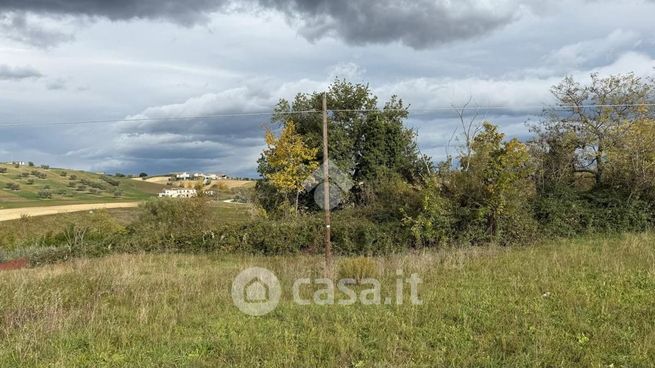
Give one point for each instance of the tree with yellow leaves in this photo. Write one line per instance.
(287, 161)
(631, 160)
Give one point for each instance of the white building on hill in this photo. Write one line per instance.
(178, 193)
(183, 176)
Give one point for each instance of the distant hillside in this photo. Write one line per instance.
(27, 186)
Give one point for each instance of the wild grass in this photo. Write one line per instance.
(32, 230)
(575, 303)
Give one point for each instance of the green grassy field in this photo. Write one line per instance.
(61, 189)
(569, 303)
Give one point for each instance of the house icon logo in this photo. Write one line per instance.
(340, 185)
(256, 291)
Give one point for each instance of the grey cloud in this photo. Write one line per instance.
(183, 12)
(170, 142)
(17, 73)
(419, 24)
(56, 84)
(17, 27)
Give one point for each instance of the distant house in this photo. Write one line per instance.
(207, 177)
(19, 163)
(178, 193)
(183, 176)
(200, 176)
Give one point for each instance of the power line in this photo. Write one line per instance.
(127, 120)
(269, 113)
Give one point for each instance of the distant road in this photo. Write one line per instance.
(16, 213)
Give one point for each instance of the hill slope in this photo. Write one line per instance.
(26, 186)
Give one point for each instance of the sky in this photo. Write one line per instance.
(65, 64)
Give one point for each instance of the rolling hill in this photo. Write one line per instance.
(27, 186)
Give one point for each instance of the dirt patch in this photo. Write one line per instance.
(16, 264)
(16, 213)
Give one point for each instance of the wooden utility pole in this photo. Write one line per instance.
(326, 191)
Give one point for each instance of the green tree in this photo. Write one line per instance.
(365, 141)
(496, 190)
(598, 114)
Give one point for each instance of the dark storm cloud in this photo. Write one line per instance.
(418, 24)
(16, 73)
(183, 12)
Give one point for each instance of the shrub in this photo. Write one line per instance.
(30, 164)
(44, 194)
(566, 212)
(165, 223)
(45, 167)
(92, 184)
(29, 181)
(73, 177)
(353, 234)
(63, 173)
(12, 186)
(81, 188)
(433, 224)
(110, 181)
(3, 170)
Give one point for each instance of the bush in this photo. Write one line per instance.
(44, 194)
(566, 212)
(168, 223)
(63, 173)
(29, 181)
(45, 167)
(12, 186)
(3, 170)
(93, 184)
(110, 181)
(73, 177)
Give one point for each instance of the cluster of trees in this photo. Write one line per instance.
(589, 166)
